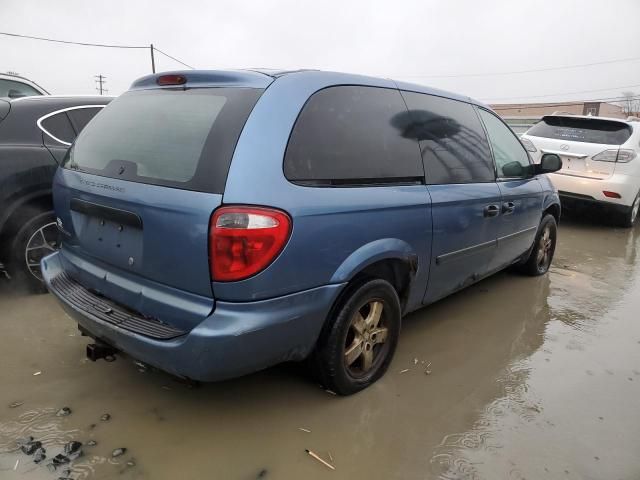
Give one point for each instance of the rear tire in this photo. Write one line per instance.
(544, 246)
(37, 238)
(629, 217)
(358, 343)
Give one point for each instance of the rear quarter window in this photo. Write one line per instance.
(584, 130)
(352, 135)
(58, 127)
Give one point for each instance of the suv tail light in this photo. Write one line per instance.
(615, 155)
(245, 240)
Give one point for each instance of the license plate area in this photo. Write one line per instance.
(112, 235)
(573, 164)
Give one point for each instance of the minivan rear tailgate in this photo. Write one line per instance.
(143, 246)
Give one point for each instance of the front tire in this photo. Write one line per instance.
(359, 341)
(544, 246)
(37, 238)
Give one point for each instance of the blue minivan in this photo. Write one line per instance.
(215, 223)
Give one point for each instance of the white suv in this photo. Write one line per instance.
(600, 164)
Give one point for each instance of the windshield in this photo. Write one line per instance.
(182, 138)
(584, 130)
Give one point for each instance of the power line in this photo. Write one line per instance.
(173, 58)
(103, 45)
(517, 72)
(85, 44)
(560, 94)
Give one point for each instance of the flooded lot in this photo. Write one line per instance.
(513, 378)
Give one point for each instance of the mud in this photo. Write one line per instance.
(527, 378)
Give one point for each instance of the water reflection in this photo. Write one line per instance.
(593, 274)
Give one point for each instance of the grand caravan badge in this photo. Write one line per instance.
(106, 186)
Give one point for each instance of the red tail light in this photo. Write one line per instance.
(611, 194)
(245, 240)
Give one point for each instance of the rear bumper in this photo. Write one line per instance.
(236, 339)
(591, 190)
(571, 201)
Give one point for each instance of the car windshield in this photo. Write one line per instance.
(585, 130)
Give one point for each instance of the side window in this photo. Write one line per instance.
(13, 89)
(81, 116)
(453, 144)
(58, 129)
(352, 135)
(512, 160)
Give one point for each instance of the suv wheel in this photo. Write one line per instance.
(544, 246)
(37, 238)
(630, 216)
(358, 345)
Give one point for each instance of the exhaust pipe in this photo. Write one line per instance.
(98, 350)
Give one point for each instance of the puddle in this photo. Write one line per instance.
(528, 378)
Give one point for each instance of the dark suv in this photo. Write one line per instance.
(35, 133)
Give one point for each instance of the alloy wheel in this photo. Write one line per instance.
(43, 242)
(365, 345)
(545, 247)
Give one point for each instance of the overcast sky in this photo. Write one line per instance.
(407, 40)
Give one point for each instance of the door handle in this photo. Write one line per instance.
(491, 210)
(508, 207)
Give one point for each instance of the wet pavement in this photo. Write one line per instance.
(528, 378)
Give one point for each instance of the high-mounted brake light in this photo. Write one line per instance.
(243, 241)
(171, 80)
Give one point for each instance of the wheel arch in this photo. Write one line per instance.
(26, 206)
(552, 206)
(389, 259)
(553, 210)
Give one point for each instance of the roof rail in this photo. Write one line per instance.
(560, 112)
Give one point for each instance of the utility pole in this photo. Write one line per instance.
(153, 60)
(100, 81)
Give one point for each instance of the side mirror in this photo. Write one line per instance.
(549, 163)
(513, 169)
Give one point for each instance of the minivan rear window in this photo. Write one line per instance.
(586, 130)
(170, 137)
